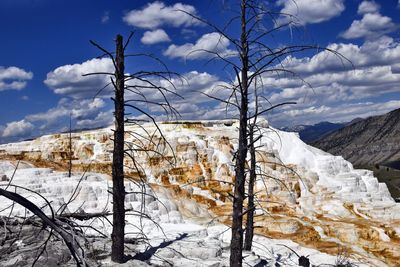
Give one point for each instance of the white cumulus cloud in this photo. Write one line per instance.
(384, 51)
(336, 90)
(310, 11)
(13, 78)
(157, 14)
(396, 68)
(20, 128)
(368, 7)
(69, 79)
(156, 36)
(79, 109)
(371, 25)
(210, 42)
(85, 113)
(103, 118)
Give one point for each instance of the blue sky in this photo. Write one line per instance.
(45, 50)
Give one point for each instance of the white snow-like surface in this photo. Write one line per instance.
(205, 244)
(335, 174)
(329, 185)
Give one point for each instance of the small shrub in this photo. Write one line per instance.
(343, 259)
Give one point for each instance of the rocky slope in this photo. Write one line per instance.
(366, 142)
(309, 196)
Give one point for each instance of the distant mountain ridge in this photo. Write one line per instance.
(374, 140)
(311, 133)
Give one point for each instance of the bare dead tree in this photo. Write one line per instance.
(255, 24)
(56, 225)
(45, 218)
(118, 232)
(254, 134)
(70, 147)
(142, 85)
(249, 232)
(240, 175)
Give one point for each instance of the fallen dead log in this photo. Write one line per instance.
(84, 216)
(68, 237)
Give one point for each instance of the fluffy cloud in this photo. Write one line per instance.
(368, 7)
(78, 109)
(69, 80)
(338, 91)
(190, 86)
(379, 52)
(194, 104)
(372, 24)
(156, 36)
(20, 128)
(349, 85)
(91, 113)
(310, 11)
(86, 113)
(210, 42)
(395, 68)
(196, 83)
(374, 72)
(13, 78)
(102, 119)
(158, 14)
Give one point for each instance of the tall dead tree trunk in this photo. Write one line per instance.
(240, 174)
(249, 233)
(248, 240)
(255, 60)
(118, 232)
(70, 148)
(134, 83)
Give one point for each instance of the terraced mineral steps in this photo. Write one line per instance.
(308, 196)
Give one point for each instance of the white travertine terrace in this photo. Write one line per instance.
(309, 189)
